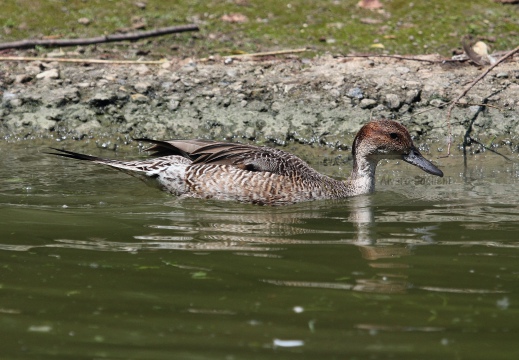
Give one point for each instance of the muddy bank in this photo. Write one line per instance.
(277, 101)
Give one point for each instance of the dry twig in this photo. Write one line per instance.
(467, 89)
(259, 54)
(83, 61)
(400, 57)
(28, 43)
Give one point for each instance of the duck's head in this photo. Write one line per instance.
(387, 139)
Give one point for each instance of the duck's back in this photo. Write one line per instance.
(247, 173)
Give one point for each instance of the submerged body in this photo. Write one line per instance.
(262, 175)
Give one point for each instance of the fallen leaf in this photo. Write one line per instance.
(377, 46)
(477, 51)
(83, 21)
(235, 18)
(370, 21)
(370, 4)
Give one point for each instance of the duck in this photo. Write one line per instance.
(263, 175)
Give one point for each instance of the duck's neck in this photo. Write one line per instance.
(362, 180)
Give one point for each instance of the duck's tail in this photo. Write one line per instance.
(126, 166)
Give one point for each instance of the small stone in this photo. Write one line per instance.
(166, 85)
(8, 96)
(226, 102)
(142, 87)
(140, 4)
(355, 93)
(16, 103)
(412, 96)
(188, 68)
(139, 98)
(393, 102)
(502, 75)
(437, 103)
(23, 78)
(335, 93)
(141, 69)
(48, 75)
(173, 105)
(474, 109)
(102, 99)
(367, 103)
(32, 70)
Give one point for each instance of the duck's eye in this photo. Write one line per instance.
(394, 136)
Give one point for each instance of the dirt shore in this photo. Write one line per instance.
(307, 101)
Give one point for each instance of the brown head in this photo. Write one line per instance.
(387, 139)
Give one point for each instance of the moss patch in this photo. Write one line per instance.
(402, 27)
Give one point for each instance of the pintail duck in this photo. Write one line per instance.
(262, 175)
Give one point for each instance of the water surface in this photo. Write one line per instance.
(96, 265)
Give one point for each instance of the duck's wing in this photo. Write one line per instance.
(245, 157)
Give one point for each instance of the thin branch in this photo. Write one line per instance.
(28, 43)
(487, 148)
(259, 54)
(400, 57)
(467, 89)
(83, 61)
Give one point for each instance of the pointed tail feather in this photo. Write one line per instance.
(130, 167)
(78, 156)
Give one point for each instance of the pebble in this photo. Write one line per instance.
(355, 93)
(393, 101)
(141, 69)
(139, 98)
(188, 68)
(23, 78)
(412, 96)
(8, 96)
(502, 75)
(102, 99)
(142, 87)
(48, 75)
(403, 69)
(173, 105)
(367, 103)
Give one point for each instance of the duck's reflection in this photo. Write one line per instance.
(258, 229)
(205, 226)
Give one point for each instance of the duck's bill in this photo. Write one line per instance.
(416, 159)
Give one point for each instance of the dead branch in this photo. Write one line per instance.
(399, 57)
(82, 61)
(28, 43)
(260, 54)
(467, 89)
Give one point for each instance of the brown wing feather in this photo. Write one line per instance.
(247, 157)
(185, 148)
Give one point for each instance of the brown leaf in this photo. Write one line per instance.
(370, 21)
(235, 18)
(370, 4)
(476, 51)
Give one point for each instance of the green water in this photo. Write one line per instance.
(96, 265)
